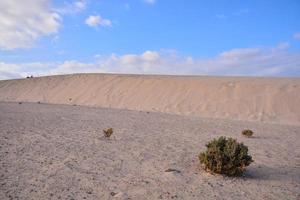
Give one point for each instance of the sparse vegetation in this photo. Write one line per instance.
(108, 132)
(225, 156)
(247, 133)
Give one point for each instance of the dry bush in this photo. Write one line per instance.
(108, 132)
(247, 133)
(225, 156)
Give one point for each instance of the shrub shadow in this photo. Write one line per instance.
(271, 173)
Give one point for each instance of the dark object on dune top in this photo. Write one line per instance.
(225, 156)
(247, 133)
(108, 132)
(20, 103)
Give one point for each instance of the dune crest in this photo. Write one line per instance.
(273, 100)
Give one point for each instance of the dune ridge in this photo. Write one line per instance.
(274, 100)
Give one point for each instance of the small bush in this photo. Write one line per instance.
(225, 156)
(247, 133)
(108, 132)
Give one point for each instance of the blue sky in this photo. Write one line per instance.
(248, 38)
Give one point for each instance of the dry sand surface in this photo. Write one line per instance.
(58, 151)
(273, 100)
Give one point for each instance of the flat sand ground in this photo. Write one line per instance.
(58, 152)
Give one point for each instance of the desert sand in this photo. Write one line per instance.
(161, 124)
(273, 100)
(59, 152)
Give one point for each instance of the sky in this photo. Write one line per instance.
(195, 37)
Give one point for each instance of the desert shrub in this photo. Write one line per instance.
(247, 132)
(108, 132)
(225, 156)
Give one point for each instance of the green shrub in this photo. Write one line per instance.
(247, 133)
(225, 156)
(108, 132)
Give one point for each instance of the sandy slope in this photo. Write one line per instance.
(58, 152)
(259, 99)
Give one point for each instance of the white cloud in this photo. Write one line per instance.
(9, 71)
(150, 1)
(23, 22)
(96, 20)
(297, 36)
(73, 66)
(80, 5)
(283, 45)
(71, 8)
(150, 56)
(249, 61)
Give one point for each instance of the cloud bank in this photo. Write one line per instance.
(276, 61)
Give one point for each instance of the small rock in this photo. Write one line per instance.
(113, 193)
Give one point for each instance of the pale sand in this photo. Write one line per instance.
(273, 100)
(58, 152)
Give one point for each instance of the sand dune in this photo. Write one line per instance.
(273, 100)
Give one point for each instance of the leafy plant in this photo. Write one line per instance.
(108, 132)
(247, 132)
(225, 156)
